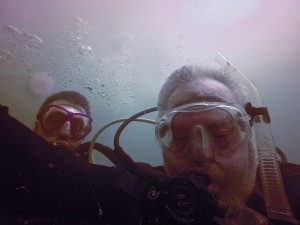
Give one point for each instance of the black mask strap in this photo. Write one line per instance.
(253, 112)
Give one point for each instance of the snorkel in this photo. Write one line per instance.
(275, 197)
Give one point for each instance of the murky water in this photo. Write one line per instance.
(118, 55)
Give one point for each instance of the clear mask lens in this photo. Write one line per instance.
(201, 127)
(55, 116)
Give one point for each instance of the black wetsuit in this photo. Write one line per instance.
(42, 185)
(291, 179)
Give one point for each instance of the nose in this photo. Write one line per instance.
(201, 147)
(65, 129)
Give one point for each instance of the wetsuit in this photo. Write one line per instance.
(42, 185)
(291, 179)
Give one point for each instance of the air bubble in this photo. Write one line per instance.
(84, 50)
(41, 83)
(5, 55)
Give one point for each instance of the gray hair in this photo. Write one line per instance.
(179, 86)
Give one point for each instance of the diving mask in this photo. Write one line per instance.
(54, 116)
(203, 127)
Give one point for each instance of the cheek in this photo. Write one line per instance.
(39, 131)
(239, 158)
(234, 186)
(75, 144)
(235, 165)
(239, 173)
(174, 164)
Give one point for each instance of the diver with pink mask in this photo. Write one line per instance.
(64, 120)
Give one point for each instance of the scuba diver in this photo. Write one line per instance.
(64, 119)
(213, 122)
(220, 164)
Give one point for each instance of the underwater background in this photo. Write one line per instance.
(119, 52)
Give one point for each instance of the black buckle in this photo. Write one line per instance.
(253, 112)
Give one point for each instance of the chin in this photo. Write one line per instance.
(231, 196)
(235, 191)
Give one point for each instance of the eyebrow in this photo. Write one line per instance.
(201, 99)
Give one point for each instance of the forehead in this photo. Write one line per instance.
(213, 117)
(204, 90)
(215, 89)
(69, 106)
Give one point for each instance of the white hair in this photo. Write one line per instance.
(182, 82)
